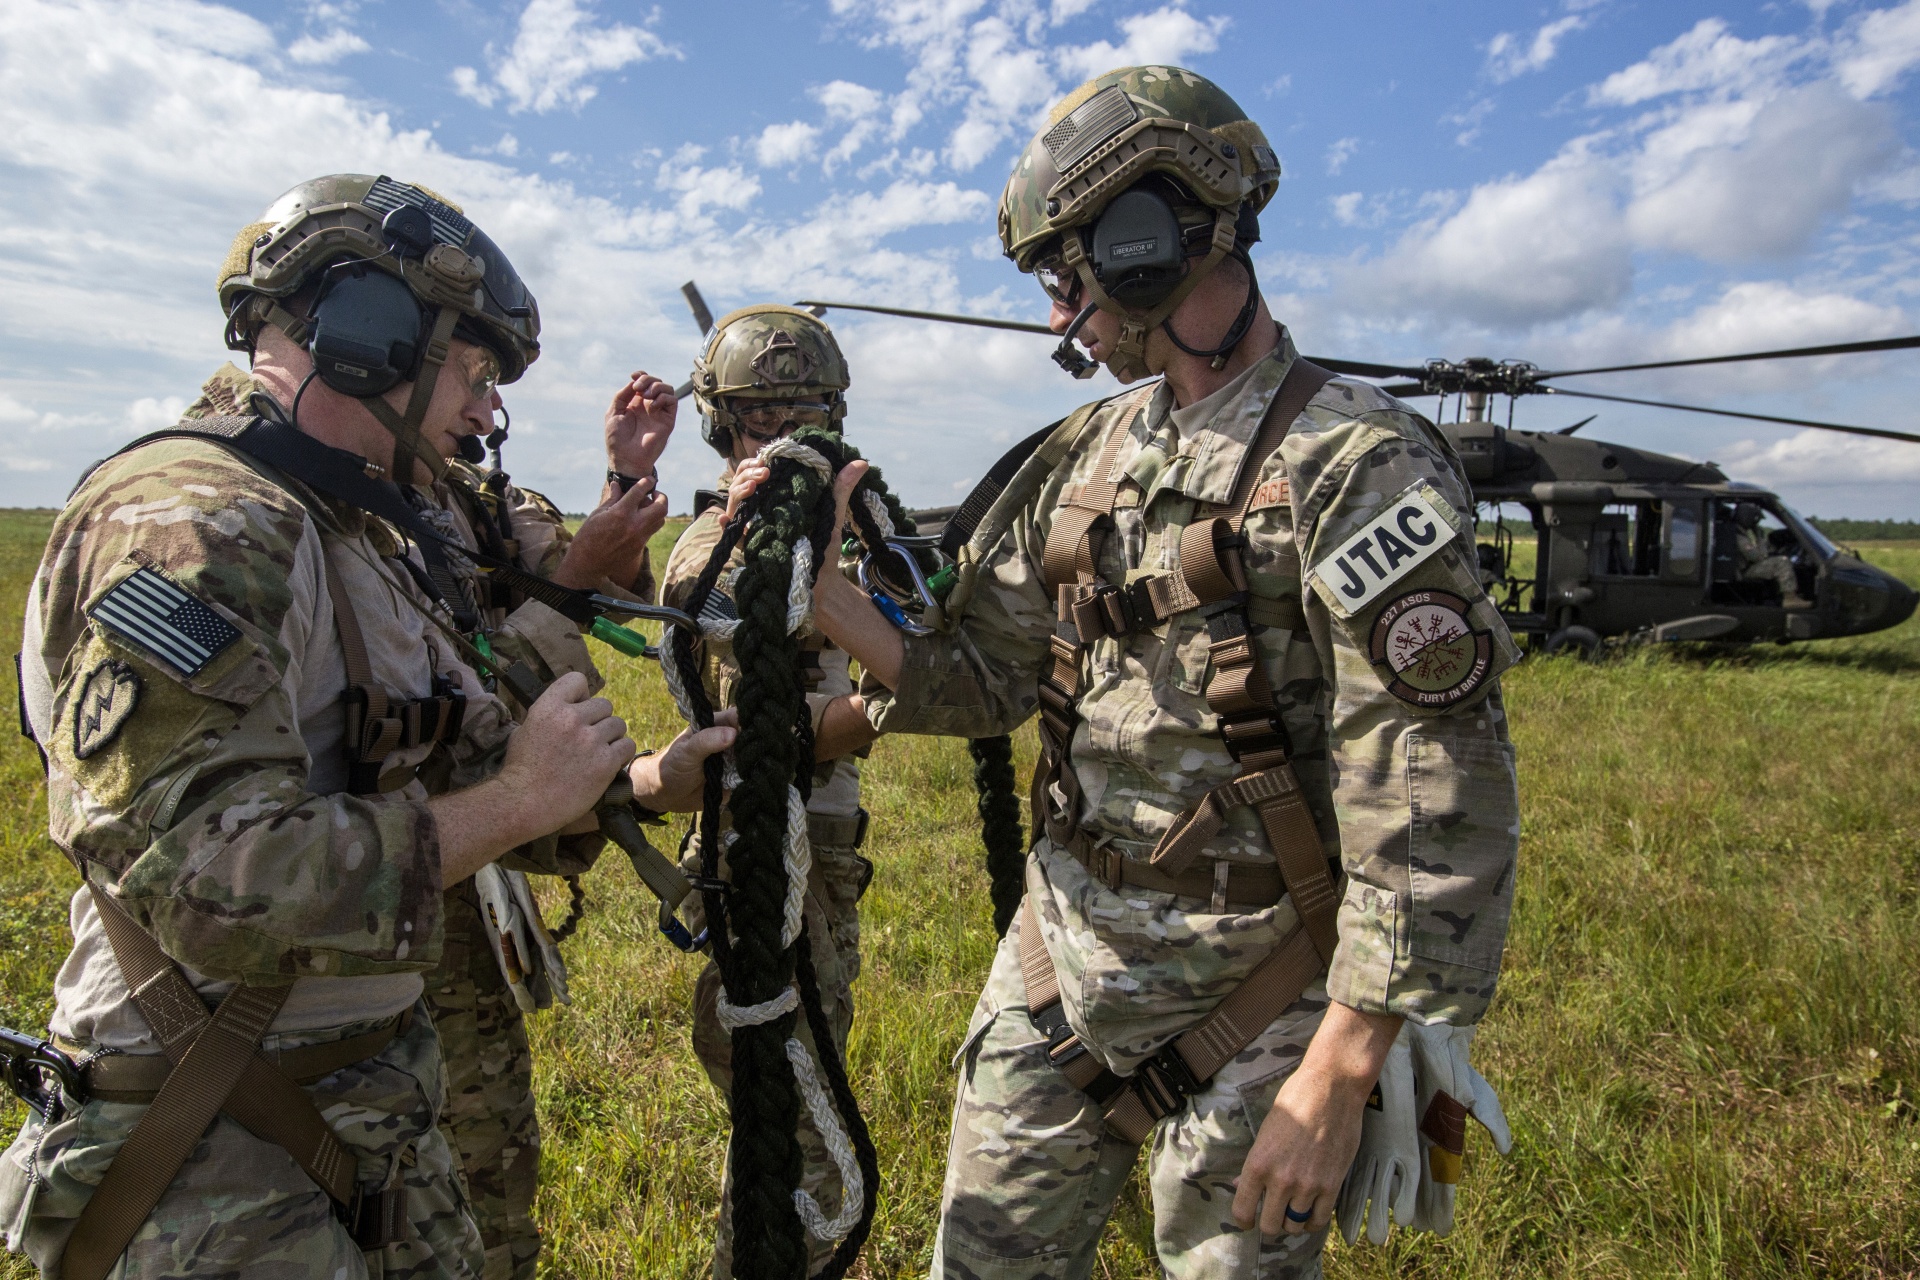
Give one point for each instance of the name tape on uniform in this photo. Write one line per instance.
(1408, 531)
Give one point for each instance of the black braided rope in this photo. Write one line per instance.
(1000, 827)
(576, 909)
(775, 746)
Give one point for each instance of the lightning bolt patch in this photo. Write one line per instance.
(106, 698)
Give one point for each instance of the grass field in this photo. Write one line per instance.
(1707, 1037)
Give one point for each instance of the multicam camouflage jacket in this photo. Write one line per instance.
(836, 783)
(183, 672)
(1360, 527)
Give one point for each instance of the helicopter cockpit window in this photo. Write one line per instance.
(1758, 559)
(1809, 534)
(1626, 541)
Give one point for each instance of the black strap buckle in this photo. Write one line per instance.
(1250, 735)
(41, 1076)
(1165, 1082)
(377, 1217)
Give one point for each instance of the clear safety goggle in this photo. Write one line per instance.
(1061, 281)
(481, 370)
(771, 419)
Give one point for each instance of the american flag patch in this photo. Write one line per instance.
(157, 615)
(450, 226)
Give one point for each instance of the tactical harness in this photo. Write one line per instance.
(212, 1063)
(1210, 577)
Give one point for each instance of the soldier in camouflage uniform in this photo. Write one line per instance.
(185, 660)
(490, 1120)
(1366, 615)
(766, 371)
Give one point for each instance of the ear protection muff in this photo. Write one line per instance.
(1137, 250)
(366, 328)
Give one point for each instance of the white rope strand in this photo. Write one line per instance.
(826, 1121)
(797, 858)
(810, 458)
(800, 589)
(878, 510)
(733, 1016)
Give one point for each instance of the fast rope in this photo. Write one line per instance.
(755, 923)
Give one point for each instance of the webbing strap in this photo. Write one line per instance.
(1132, 1105)
(1070, 552)
(407, 444)
(1164, 1082)
(377, 724)
(216, 1068)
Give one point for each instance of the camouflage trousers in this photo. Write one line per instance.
(1032, 1173)
(240, 1206)
(839, 878)
(489, 1118)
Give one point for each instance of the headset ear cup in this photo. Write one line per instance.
(1137, 252)
(367, 332)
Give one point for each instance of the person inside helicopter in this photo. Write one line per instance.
(1764, 551)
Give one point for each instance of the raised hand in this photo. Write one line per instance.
(639, 424)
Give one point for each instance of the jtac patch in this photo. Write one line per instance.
(158, 616)
(1408, 531)
(1430, 655)
(106, 698)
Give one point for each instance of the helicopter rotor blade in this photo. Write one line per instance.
(1401, 389)
(1731, 413)
(702, 314)
(1567, 431)
(1834, 349)
(983, 322)
(1367, 370)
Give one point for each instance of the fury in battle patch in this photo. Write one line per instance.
(1426, 650)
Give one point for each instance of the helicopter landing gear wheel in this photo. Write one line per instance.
(1582, 640)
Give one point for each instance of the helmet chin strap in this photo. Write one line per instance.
(407, 442)
(1236, 331)
(1129, 358)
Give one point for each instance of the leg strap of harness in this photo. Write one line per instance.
(1132, 1105)
(216, 1067)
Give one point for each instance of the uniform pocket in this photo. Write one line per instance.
(1466, 822)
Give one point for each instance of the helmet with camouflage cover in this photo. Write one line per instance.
(464, 284)
(1111, 135)
(780, 355)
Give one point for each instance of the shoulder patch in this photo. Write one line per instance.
(156, 614)
(1408, 530)
(1428, 653)
(106, 698)
(1274, 493)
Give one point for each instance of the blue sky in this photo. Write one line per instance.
(1578, 182)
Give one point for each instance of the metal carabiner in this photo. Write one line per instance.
(886, 595)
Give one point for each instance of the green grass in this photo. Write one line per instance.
(1707, 1038)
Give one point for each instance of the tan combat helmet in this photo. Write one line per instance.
(356, 222)
(780, 355)
(1111, 136)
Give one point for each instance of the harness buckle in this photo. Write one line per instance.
(1164, 1082)
(1254, 734)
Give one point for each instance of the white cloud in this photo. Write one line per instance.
(1340, 152)
(1706, 57)
(556, 52)
(108, 106)
(846, 101)
(151, 413)
(1509, 57)
(1819, 458)
(319, 50)
(1518, 251)
(1167, 35)
(1878, 48)
(1768, 189)
(782, 145)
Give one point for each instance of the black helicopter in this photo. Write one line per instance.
(1626, 543)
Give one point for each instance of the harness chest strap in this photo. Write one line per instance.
(216, 1067)
(1238, 692)
(378, 725)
